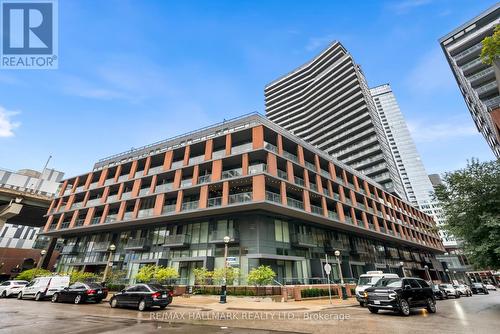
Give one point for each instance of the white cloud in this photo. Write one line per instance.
(7, 125)
(427, 131)
(405, 6)
(432, 74)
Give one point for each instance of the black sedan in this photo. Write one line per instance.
(478, 288)
(78, 293)
(142, 297)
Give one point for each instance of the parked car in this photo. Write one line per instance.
(463, 290)
(78, 293)
(477, 288)
(142, 296)
(400, 295)
(490, 287)
(368, 280)
(439, 292)
(450, 290)
(11, 288)
(43, 287)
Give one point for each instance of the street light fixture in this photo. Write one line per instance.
(223, 290)
(43, 252)
(111, 249)
(344, 292)
(448, 274)
(426, 267)
(401, 264)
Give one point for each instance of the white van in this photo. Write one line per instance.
(43, 287)
(367, 280)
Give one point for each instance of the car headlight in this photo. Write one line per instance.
(392, 296)
(365, 294)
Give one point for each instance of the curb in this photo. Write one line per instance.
(267, 309)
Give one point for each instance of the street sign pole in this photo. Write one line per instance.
(328, 270)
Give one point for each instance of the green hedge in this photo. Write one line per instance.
(315, 292)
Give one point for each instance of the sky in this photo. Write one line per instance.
(135, 72)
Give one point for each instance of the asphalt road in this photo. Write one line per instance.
(477, 314)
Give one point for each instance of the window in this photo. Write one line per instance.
(413, 283)
(281, 231)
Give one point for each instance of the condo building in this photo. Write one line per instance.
(417, 185)
(280, 200)
(327, 103)
(477, 81)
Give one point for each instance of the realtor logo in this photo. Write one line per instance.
(28, 34)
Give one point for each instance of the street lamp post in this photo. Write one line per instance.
(448, 274)
(402, 268)
(111, 249)
(42, 258)
(342, 286)
(426, 267)
(223, 290)
(453, 278)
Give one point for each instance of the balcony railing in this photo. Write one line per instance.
(333, 215)
(310, 165)
(303, 240)
(218, 154)
(188, 206)
(101, 246)
(126, 195)
(242, 148)
(112, 198)
(218, 236)
(95, 220)
(123, 177)
(177, 164)
(271, 147)
(155, 170)
(273, 197)
(144, 191)
(299, 181)
(93, 202)
(256, 169)
(240, 198)
(214, 201)
(177, 240)
(337, 245)
(164, 187)
(186, 183)
(70, 249)
(197, 159)
(145, 213)
(168, 208)
(139, 173)
(227, 174)
(110, 219)
(79, 189)
(294, 203)
(313, 186)
(282, 174)
(79, 222)
(204, 179)
(76, 205)
(128, 215)
(137, 244)
(316, 210)
(291, 156)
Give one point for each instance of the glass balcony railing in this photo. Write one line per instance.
(186, 183)
(126, 195)
(177, 240)
(256, 169)
(204, 179)
(214, 201)
(218, 154)
(294, 203)
(122, 178)
(242, 148)
(67, 192)
(333, 215)
(273, 197)
(110, 219)
(282, 174)
(94, 185)
(336, 196)
(94, 201)
(188, 206)
(101, 246)
(310, 165)
(65, 225)
(139, 173)
(161, 188)
(112, 198)
(299, 181)
(79, 189)
(155, 170)
(291, 156)
(316, 210)
(79, 222)
(240, 198)
(271, 147)
(137, 244)
(197, 159)
(95, 220)
(227, 174)
(325, 173)
(109, 181)
(76, 205)
(313, 186)
(128, 215)
(168, 208)
(145, 213)
(348, 220)
(304, 240)
(218, 236)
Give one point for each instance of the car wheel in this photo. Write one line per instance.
(142, 305)
(404, 307)
(38, 296)
(113, 302)
(20, 295)
(54, 298)
(162, 307)
(372, 309)
(78, 299)
(362, 304)
(431, 305)
(4, 294)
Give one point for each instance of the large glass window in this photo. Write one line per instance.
(281, 231)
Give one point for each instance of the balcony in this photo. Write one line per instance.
(70, 250)
(299, 181)
(313, 186)
(218, 154)
(242, 148)
(76, 205)
(282, 174)
(110, 219)
(240, 198)
(303, 240)
(204, 179)
(227, 174)
(256, 169)
(101, 246)
(169, 208)
(139, 173)
(337, 245)
(144, 191)
(137, 244)
(273, 197)
(486, 88)
(177, 164)
(95, 220)
(317, 210)
(177, 240)
(112, 198)
(291, 156)
(128, 215)
(79, 189)
(271, 147)
(187, 182)
(189, 206)
(155, 170)
(310, 165)
(214, 202)
(79, 222)
(94, 185)
(145, 213)
(122, 178)
(126, 195)
(333, 215)
(161, 188)
(197, 159)
(93, 202)
(217, 237)
(291, 202)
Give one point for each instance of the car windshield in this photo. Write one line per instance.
(448, 286)
(390, 282)
(478, 285)
(156, 287)
(368, 280)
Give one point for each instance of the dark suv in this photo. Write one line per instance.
(399, 295)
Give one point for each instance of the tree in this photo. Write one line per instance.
(491, 47)
(146, 274)
(166, 274)
(201, 275)
(262, 275)
(471, 203)
(29, 274)
(81, 276)
(229, 273)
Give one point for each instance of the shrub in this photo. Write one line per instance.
(262, 275)
(230, 273)
(166, 274)
(315, 292)
(80, 276)
(29, 274)
(201, 275)
(160, 274)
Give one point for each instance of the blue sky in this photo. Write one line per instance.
(134, 72)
